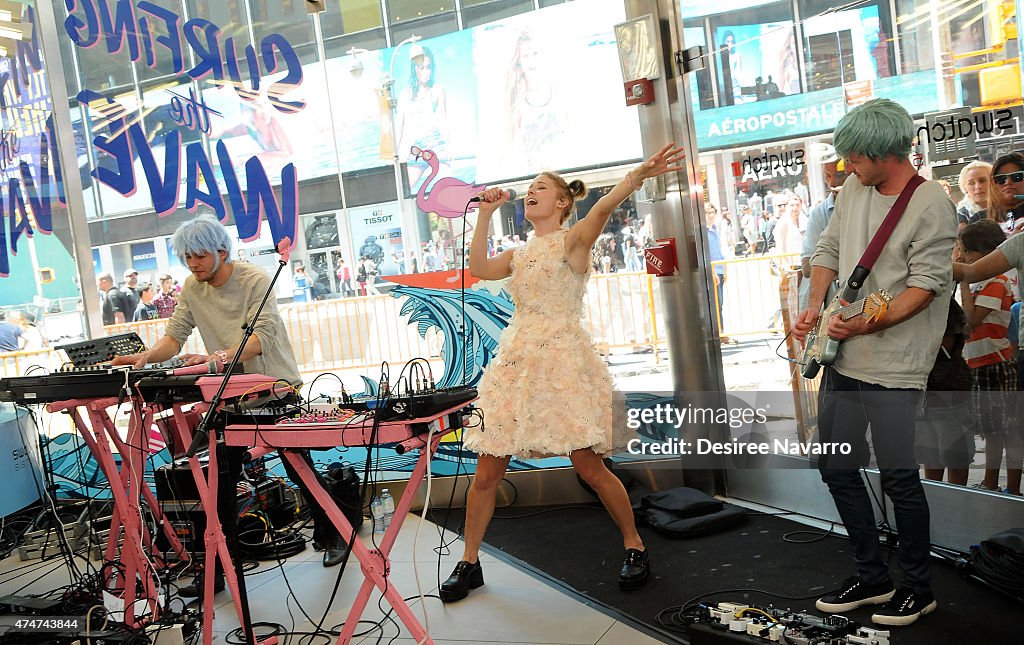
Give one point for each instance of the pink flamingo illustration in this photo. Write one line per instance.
(448, 196)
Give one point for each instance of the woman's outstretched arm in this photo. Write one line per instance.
(584, 233)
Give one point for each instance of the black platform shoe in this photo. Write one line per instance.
(635, 568)
(335, 554)
(334, 548)
(466, 576)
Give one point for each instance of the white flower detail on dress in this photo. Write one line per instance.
(548, 392)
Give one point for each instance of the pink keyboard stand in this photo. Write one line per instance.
(98, 434)
(375, 563)
(215, 542)
(239, 385)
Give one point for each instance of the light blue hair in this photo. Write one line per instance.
(200, 236)
(877, 129)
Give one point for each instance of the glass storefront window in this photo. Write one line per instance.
(478, 12)
(914, 34)
(162, 65)
(355, 23)
(845, 45)
(104, 72)
(321, 231)
(40, 291)
(289, 19)
(703, 89)
(409, 17)
(158, 121)
(229, 15)
(778, 79)
(370, 39)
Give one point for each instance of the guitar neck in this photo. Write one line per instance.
(851, 310)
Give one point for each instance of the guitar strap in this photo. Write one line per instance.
(867, 261)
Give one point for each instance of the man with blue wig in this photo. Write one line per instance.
(883, 364)
(218, 299)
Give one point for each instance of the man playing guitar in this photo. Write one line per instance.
(883, 364)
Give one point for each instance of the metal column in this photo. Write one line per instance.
(47, 26)
(694, 350)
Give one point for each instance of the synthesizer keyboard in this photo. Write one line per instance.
(61, 386)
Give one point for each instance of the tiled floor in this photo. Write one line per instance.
(513, 607)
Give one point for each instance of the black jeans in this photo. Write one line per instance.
(230, 462)
(846, 408)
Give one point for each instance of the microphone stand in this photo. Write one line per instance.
(202, 436)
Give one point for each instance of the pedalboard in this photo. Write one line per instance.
(727, 622)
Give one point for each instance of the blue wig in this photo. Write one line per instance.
(877, 129)
(200, 236)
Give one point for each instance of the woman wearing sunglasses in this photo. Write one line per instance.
(1006, 199)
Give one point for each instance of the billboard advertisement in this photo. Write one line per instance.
(550, 92)
(762, 60)
(863, 31)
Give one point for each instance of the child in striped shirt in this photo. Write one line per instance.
(991, 358)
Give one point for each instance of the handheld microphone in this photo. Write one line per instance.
(511, 196)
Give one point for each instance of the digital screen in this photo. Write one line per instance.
(762, 60)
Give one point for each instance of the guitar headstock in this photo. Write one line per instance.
(876, 304)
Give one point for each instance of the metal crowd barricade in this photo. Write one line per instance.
(150, 331)
(750, 305)
(20, 363)
(357, 332)
(622, 312)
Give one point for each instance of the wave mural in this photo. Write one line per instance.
(470, 348)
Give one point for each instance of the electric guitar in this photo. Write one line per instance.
(820, 348)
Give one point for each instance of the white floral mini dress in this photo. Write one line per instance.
(547, 392)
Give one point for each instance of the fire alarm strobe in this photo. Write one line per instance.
(639, 92)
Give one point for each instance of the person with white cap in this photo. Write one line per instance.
(834, 174)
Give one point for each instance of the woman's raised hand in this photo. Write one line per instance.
(491, 200)
(665, 160)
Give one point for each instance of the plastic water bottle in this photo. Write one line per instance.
(377, 511)
(389, 506)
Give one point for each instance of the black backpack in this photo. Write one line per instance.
(686, 512)
(677, 512)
